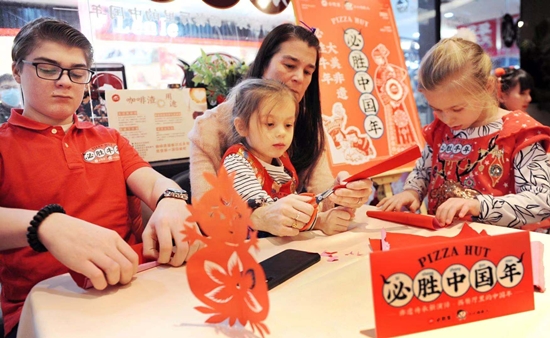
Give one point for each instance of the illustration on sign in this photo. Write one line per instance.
(392, 90)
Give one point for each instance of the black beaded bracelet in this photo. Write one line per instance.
(32, 231)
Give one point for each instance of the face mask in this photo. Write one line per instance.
(11, 97)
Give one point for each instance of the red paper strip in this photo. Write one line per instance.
(407, 218)
(144, 264)
(395, 161)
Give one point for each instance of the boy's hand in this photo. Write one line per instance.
(164, 229)
(407, 198)
(96, 252)
(457, 207)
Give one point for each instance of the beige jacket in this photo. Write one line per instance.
(207, 139)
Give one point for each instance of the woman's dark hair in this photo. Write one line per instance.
(309, 137)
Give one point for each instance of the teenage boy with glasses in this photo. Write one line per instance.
(51, 163)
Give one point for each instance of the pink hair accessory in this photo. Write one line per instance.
(311, 29)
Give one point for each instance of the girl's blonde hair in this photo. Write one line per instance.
(249, 96)
(463, 65)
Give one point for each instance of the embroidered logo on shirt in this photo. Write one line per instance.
(107, 152)
(454, 151)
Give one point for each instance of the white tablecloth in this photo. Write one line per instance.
(329, 299)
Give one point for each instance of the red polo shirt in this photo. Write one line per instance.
(84, 170)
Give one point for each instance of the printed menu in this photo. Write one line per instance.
(156, 122)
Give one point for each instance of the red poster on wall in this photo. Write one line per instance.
(369, 112)
(489, 36)
(486, 34)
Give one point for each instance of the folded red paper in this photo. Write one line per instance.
(393, 162)
(144, 264)
(417, 220)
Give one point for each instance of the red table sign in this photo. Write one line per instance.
(451, 282)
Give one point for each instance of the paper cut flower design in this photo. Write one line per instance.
(223, 274)
(233, 283)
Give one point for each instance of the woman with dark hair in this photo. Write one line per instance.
(289, 54)
(514, 88)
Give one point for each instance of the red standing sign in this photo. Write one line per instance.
(369, 112)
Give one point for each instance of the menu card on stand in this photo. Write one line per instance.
(155, 121)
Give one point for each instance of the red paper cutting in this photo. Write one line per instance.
(416, 220)
(224, 275)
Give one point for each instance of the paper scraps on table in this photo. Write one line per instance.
(144, 264)
(331, 256)
(351, 253)
(397, 240)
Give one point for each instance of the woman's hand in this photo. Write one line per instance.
(284, 217)
(165, 226)
(407, 198)
(96, 252)
(335, 221)
(354, 194)
(457, 207)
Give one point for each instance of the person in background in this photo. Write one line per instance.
(10, 96)
(480, 160)
(288, 54)
(514, 88)
(263, 118)
(68, 179)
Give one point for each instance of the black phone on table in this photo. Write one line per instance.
(287, 264)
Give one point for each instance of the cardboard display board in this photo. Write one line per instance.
(369, 112)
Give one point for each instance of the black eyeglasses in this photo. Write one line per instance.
(47, 71)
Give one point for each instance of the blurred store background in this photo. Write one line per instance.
(152, 37)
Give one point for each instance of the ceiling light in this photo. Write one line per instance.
(449, 15)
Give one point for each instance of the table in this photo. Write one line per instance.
(329, 299)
